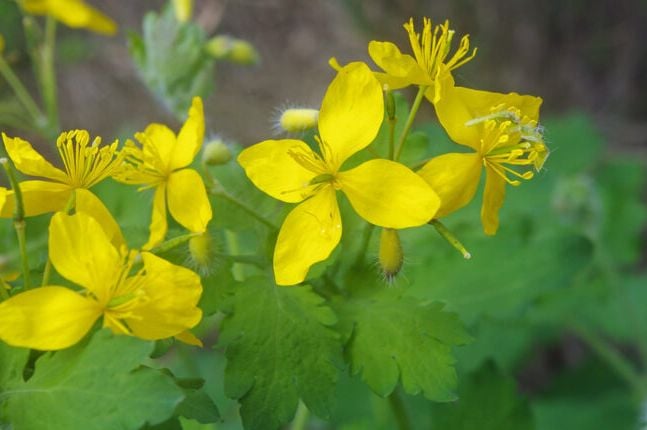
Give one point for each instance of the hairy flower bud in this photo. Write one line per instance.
(295, 120)
(391, 256)
(201, 251)
(216, 153)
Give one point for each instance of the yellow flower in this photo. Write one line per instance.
(383, 192)
(85, 165)
(429, 66)
(504, 132)
(156, 301)
(162, 163)
(73, 13)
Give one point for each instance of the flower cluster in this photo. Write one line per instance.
(135, 292)
(501, 129)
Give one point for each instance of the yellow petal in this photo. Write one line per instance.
(158, 226)
(73, 13)
(351, 113)
(81, 251)
(87, 202)
(388, 194)
(190, 138)
(189, 338)
(454, 177)
(38, 197)
(458, 105)
(187, 200)
(172, 294)
(30, 162)
(158, 144)
(402, 66)
(309, 234)
(273, 170)
(493, 196)
(47, 318)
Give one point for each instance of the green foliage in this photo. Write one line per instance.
(97, 385)
(396, 338)
(172, 61)
(583, 398)
(197, 404)
(488, 400)
(280, 348)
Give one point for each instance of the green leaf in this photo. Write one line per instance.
(280, 348)
(488, 400)
(12, 363)
(400, 338)
(172, 61)
(622, 186)
(197, 405)
(93, 386)
(506, 273)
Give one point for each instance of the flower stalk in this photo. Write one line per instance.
(19, 221)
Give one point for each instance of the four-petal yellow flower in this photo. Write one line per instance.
(157, 301)
(73, 13)
(162, 162)
(504, 132)
(429, 65)
(383, 192)
(85, 164)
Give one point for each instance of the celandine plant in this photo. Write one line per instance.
(286, 264)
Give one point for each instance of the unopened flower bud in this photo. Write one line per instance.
(229, 48)
(295, 120)
(216, 153)
(390, 255)
(183, 9)
(201, 251)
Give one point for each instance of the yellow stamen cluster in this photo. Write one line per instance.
(431, 49)
(140, 166)
(87, 164)
(511, 139)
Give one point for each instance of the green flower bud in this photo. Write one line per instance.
(216, 153)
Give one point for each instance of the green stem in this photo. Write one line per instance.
(366, 240)
(234, 248)
(614, 359)
(172, 243)
(449, 237)
(216, 189)
(410, 118)
(252, 260)
(249, 210)
(47, 272)
(47, 76)
(399, 411)
(391, 138)
(19, 221)
(301, 417)
(21, 93)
